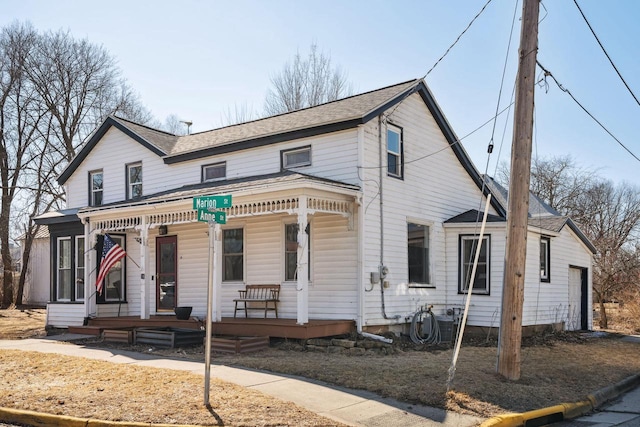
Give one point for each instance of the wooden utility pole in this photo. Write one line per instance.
(518, 210)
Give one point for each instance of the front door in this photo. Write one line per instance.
(166, 273)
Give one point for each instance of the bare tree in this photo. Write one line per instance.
(306, 82)
(240, 114)
(54, 90)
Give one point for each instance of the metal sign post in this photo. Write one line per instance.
(209, 325)
(206, 206)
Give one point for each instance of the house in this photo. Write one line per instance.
(362, 209)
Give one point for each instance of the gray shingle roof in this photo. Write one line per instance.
(162, 140)
(353, 107)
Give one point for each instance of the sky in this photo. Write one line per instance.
(201, 59)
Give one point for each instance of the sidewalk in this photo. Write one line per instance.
(352, 407)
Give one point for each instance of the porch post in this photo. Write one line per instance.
(88, 297)
(144, 268)
(303, 263)
(217, 273)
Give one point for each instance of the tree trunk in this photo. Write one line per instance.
(603, 323)
(28, 243)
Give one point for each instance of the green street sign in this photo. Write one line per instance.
(219, 217)
(212, 202)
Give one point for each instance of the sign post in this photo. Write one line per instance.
(206, 207)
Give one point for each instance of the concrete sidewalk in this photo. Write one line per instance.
(353, 407)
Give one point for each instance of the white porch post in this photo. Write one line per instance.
(144, 269)
(89, 300)
(303, 263)
(217, 273)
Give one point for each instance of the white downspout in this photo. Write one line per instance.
(361, 274)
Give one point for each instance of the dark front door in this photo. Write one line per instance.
(166, 272)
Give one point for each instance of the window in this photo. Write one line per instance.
(296, 157)
(545, 259)
(95, 188)
(79, 268)
(394, 152)
(418, 248)
(291, 251)
(233, 254)
(114, 282)
(64, 285)
(213, 172)
(134, 181)
(468, 245)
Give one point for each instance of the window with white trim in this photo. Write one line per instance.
(233, 255)
(79, 268)
(296, 157)
(96, 185)
(467, 253)
(214, 171)
(545, 259)
(115, 289)
(134, 181)
(394, 152)
(418, 253)
(63, 269)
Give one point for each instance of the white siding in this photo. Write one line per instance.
(333, 156)
(65, 315)
(37, 282)
(435, 188)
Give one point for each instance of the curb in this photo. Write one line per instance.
(565, 411)
(41, 419)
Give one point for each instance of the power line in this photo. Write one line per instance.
(606, 54)
(547, 73)
(442, 57)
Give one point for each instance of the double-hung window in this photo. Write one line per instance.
(134, 180)
(467, 253)
(79, 268)
(418, 253)
(395, 153)
(95, 188)
(291, 251)
(233, 255)
(545, 259)
(114, 288)
(296, 157)
(64, 272)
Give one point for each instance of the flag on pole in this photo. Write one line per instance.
(111, 254)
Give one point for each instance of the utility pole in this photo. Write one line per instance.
(518, 210)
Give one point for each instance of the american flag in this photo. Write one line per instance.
(111, 254)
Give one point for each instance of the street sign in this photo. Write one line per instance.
(219, 217)
(212, 202)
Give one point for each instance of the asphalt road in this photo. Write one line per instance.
(624, 411)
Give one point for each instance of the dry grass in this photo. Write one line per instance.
(558, 368)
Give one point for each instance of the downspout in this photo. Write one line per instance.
(383, 268)
(359, 202)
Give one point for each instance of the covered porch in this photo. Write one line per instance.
(318, 271)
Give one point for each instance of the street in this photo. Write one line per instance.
(624, 411)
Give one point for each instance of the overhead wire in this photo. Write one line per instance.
(547, 73)
(605, 52)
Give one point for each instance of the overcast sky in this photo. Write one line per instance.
(197, 59)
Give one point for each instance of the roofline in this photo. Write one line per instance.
(261, 141)
(294, 134)
(96, 137)
(574, 227)
(457, 148)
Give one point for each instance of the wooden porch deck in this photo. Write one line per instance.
(229, 326)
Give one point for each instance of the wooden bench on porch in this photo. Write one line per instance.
(259, 297)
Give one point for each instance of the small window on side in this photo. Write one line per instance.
(214, 171)
(395, 154)
(296, 157)
(96, 184)
(545, 259)
(134, 181)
